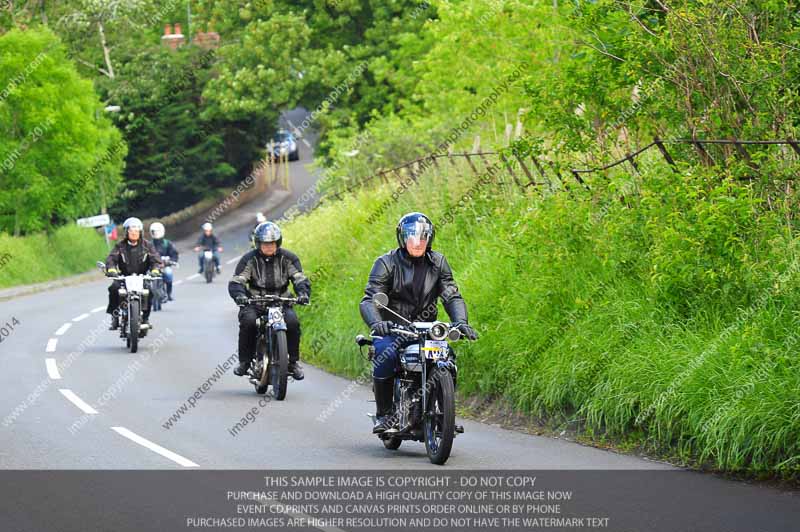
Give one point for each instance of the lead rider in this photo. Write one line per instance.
(414, 277)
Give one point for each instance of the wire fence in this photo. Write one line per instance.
(534, 171)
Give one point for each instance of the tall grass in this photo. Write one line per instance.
(38, 258)
(670, 317)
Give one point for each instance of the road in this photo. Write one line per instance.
(72, 396)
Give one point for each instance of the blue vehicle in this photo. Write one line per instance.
(284, 144)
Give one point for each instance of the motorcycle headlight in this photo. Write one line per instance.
(438, 331)
(123, 292)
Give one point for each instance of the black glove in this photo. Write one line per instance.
(241, 300)
(303, 299)
(382, 328)
(468, 331)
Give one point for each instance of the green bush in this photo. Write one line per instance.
(38, 258)
(669, 316)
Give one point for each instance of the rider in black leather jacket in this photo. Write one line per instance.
(414, 277)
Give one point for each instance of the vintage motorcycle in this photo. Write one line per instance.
(424, 390)
(158, 286)
(270, 366)
(208, 265)
(133, 296)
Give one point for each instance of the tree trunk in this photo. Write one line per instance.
(106, 54)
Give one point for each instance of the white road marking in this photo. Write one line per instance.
(52, 368)
(176, 283)
(61, 330)
(81, 317)
(51, 345)
(77, 401)
(234, 260)
(166, 453)
(308, 144)
(193, 276)
(98, 309)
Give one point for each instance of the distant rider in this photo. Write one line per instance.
(164, 248)
(209, 241)
(268, 270)
(413, 277)
(134, 255)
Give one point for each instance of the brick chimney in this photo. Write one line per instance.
(173, 40)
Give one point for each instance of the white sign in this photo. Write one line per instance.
(95, 221)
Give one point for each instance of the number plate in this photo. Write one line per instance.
(435, 349)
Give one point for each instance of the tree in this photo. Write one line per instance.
(61, 158)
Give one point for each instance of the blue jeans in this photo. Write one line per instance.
(200, 259)
(387, 356)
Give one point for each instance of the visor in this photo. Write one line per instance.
(414, 232)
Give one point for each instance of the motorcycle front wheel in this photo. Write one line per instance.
(440, 416)
(133, 321)
(208, 269)
(279, 367)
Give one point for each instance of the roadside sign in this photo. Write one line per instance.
(95, 221)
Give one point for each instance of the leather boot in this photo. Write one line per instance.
(384, 398)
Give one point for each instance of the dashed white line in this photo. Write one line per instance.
(166, 453)
(61, 330)
(51, 345)
(176, 283)
(81, 317)
(193, 276)
(52, 368)
(233, 260)
(308, 145)
(98, 309)
(77, 401)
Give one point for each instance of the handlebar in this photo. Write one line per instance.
(257, 300)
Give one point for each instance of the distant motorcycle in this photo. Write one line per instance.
(132, 299)
(158, 286)
(270, 366)
(208, 265)
(424, 392)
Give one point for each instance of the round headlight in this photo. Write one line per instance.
(438, 331)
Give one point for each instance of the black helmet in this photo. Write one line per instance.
(415, 224)
(267, 232)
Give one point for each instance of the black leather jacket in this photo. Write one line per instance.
(137, 259)
(393, 274)
(256, 274)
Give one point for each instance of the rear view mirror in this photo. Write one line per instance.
(101, 265)
(381, 299)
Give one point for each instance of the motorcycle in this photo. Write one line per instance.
(158, 286)
(208, 265)
(270, 366)
(424, 389)
(132, 299)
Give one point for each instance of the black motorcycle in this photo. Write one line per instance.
(424, 390)
(133, 296)
(208, 265)
(158, 286)
(270, 366)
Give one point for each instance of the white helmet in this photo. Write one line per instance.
(133, 223)
(157, 230)
(260, 218)
(207, 227)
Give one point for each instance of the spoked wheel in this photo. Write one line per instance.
(262, 355)
(208, 269)
(279, 369)
(133, 321)
(440, 417)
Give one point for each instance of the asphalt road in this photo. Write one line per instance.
(73, 397)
